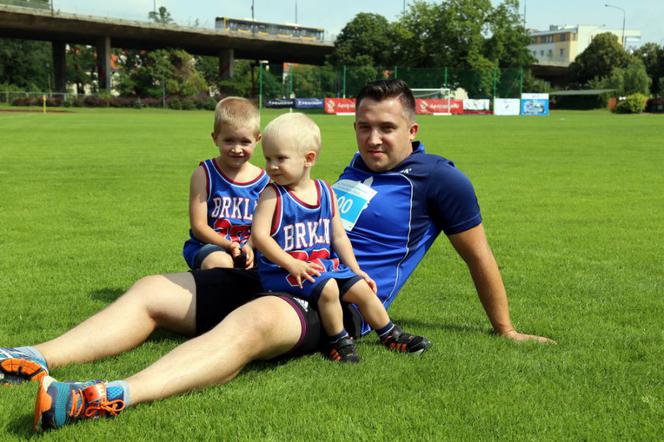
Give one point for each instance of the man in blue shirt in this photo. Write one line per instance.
(394, 199)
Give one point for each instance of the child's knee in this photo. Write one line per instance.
(216, 260)
(330, 292)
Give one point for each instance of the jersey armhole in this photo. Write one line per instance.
(276, 216)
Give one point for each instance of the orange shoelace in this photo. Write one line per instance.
(99, 407)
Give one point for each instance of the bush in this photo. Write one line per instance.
(25, 101)
(95, 101)
(174, 103)
(188, 104)
(53, 102)
(151, 102)
(633, 104)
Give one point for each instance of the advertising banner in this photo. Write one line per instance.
(340, 106)
(506, 106)
(476, 107)
(309, 103)
(535, 105)
(438, 106)
(280, 103)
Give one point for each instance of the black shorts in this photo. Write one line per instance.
(220, 291)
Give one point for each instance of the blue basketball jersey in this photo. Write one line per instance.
(230, 207)
(305, 232)
(392, 218)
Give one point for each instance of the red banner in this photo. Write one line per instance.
(340, 105)
(438, 106)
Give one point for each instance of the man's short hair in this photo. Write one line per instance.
(237, 112)
(296, 129)
(383, 89)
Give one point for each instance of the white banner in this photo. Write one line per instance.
(506, 106)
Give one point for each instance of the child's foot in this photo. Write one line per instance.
(400, 341)
(17, 367)
(344, 351)
(61, 403)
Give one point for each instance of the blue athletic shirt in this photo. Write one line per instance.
(230, 207)
(305, 232)
(393, 217)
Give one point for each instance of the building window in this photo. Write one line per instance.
(541, 52)
(550, 53)
(562, 53)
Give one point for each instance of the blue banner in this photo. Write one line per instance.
(309, 103)
(535, 105)
(280, 103)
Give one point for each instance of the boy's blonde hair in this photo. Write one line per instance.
(296, 129)
(237, 112)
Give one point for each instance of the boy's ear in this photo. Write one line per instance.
(310, 158)
(214, 138)
(258, 137)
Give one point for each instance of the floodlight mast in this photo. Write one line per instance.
(622, 37)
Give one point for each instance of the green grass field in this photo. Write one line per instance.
(573, 205)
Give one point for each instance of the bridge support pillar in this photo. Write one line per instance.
(104, 62)
(226, 60)
(59, 66)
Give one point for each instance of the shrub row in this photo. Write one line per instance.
(632, 104)
(186, 103)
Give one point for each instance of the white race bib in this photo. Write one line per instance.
(352, 197)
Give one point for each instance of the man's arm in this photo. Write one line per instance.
(474, 249)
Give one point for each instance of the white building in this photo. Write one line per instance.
(560, 45)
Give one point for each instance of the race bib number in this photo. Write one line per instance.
(352, 197)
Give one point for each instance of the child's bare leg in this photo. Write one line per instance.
(216, 260)
(370, 306)
(329, 308)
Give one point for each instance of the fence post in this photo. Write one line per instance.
(445, 77)
(260, 86)
(396, 72)
(493, 96)
(343, 90)
(290, 72)
(521, 82)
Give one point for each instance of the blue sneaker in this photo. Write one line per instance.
(17, 367)
(61, 403)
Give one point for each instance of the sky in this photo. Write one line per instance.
(331, 15)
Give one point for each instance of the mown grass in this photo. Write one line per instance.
(573, 206)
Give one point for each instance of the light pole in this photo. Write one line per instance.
(622, 39)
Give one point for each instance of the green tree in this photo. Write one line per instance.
(508, 41)
(164, 71)
(652, 56)
(602, 55)
(367, 35)
(161, 16)
(81, 67)
(26, 64)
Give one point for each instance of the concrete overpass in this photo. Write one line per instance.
(62, 28)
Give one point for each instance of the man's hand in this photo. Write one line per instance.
(301, 270)
(522, 337)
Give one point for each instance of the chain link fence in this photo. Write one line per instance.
(290, 80)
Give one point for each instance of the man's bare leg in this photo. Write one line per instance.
(166, 301)
(262, 329)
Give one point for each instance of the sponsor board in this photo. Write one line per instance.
(506, 106)
(535, 105)
(477, 107)
(438, 106)
(309, 103)
(340, 106)
(280, 103)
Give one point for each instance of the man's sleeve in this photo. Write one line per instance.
(451, 199)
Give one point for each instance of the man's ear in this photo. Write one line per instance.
(414, 128)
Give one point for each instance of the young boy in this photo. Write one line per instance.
(224, 191)
(301, 240)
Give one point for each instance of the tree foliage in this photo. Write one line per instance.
(366, 35)
(603, 54)
(26, 64)
(81, 66)
(161, 16)
(652, 56)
